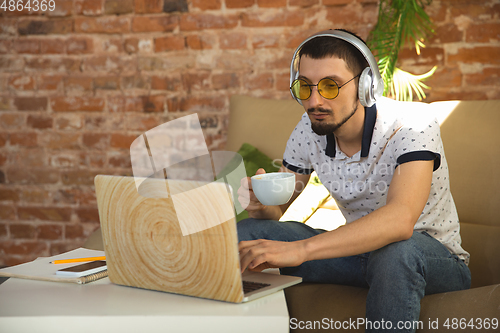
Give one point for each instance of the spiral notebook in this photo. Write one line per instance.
(41, 268)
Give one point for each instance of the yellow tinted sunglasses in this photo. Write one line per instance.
(327, 88)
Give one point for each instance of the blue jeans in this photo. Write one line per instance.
(398, 275)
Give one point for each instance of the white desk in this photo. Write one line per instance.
(38, 306)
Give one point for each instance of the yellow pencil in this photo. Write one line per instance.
(67, 261)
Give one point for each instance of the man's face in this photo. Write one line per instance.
(328, 115)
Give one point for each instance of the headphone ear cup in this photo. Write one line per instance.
(365, 88)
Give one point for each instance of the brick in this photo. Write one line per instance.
(64, 104)
(445, 77)
(75, 83)
(155, 103)
(34, 195)
(49, 231)
(483, 33)
(3, 231)
(202, 104)
(49, 82)
(32, 176)
(103, 64)
(29, 46)
(118, 7)
(447, 33)
(61, 140)
(22, 231)
(171, 6)
(108, 83)
(265, 41)
(31, 248)
(271, 3)
(239, 3)
(487, 77)
(29, 158)
(39, 27)
(7, 212)
(105, 25)
(88, 214)
(196, 81)
(192, 22)
(96, 140)
(225, 81)
(111, 45)
(96, 122)
(69, 122)
(5, 46)
(53, 64)
(142, 122)
(40, 122)
(470, 9)
(89, 7)
(59, 214)
(336, 2)
(344, 15)
(23, 139)
(67, 159)
(80, 45)
(11, 120)
(74, 231)
(200, 42)
(154, 23)
(136, 81)
(429, 56)
(77, 177)
(264, 81)
(21, 82)
(148, 6)
(63, 8)
(278, 19)
(231, 41)
(206, 4)
(52, 46)
(4, 138)
(120, 161)
(303, 3)
(169, 43)
(9, 64)
(478, 54)
(30, 103)
(7, 194)
(169, 83)
(123, 141)
(75, 196)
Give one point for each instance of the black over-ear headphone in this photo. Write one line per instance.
(371, 85)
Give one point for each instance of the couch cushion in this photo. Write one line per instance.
(314, 302)
(263, 123)
(471, 139)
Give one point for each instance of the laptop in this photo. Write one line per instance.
(177, 236)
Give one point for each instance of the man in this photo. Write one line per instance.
(388, 175)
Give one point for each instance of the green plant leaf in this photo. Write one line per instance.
(400, 22)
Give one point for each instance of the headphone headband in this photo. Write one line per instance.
(371, 85)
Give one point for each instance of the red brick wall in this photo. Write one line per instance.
(78, 84)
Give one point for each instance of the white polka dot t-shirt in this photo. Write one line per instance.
(359, 184)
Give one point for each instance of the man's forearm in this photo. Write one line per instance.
(268, 213)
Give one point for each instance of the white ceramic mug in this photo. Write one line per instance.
(274, 188)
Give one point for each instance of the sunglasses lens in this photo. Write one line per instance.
(328, 88)
(301, 89)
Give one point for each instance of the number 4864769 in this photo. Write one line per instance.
(30, 5)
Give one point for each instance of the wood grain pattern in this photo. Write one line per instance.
(145, 246)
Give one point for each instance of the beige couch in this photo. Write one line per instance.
(472, 144)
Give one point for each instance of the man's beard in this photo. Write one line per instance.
(322, 128)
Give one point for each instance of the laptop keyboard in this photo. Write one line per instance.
(249, 286)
